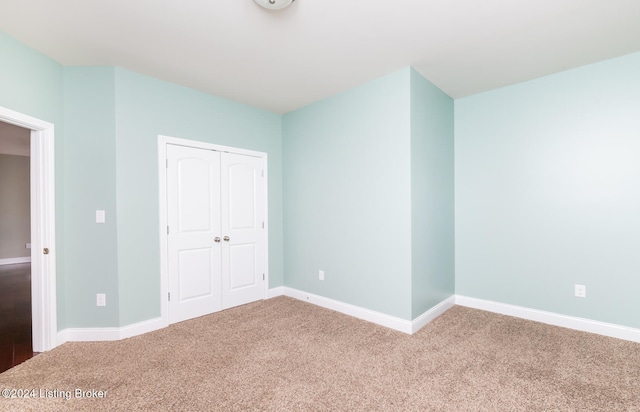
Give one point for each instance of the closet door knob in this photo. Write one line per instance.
(216, 239)
(226, 238)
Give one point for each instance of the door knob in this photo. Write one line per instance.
(216, 239)
(226, 238)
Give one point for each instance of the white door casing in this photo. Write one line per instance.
(43, 266)
(193, 186)
(247, 229)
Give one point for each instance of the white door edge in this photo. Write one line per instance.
(163, 141)
(43, 267)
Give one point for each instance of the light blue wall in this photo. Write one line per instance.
(90, 178)
(546, 187)
(548, 192)
(114, 117)
(347, 196)
(145, 108)
(432, 228)
(31, 83)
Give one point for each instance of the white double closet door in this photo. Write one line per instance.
(216, 240)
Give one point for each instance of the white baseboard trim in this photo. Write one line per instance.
(382, 319)
(422, 320)
(402, 325)
(14, 261)
(109, 333)
(140, 328)
(550, 318)
(275, 292)
(378, 318)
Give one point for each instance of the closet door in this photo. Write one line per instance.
(194, 245)
(243, 245)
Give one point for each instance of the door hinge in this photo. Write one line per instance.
(263, 276)
(169, 296)
(262, 172)
(263, 225)
(167, 163)
(167, 229)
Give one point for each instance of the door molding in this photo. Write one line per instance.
(43, 267)
(163, 141)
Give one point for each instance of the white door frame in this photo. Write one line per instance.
(162, 189)
(43, 218)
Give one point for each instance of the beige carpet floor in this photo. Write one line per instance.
(286, 355)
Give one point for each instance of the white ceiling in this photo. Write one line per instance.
(283, 60)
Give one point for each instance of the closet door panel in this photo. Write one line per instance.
(193, 207)
(243, 248)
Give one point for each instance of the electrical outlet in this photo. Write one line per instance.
(581, 291)
(321, 274)
(28, 246)
(101, 299)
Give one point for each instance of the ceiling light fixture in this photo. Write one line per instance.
(274, 4)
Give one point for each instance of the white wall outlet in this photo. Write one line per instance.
(581, 291)
(28, 246)
(101, 299)
(100, 216)
(321, 274)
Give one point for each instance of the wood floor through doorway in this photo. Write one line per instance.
(15, 315)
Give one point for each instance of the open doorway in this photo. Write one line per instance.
(42, 221)
(16, 343)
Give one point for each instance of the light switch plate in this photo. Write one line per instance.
(101, 299)
(100, 216)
